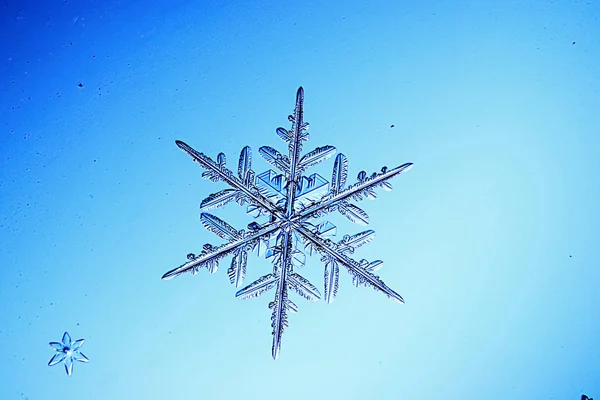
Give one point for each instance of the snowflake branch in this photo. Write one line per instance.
(217, 253)
(279, 317)
(227, 176)
(327, 204)
(354, 268)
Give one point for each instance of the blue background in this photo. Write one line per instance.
(492, 238)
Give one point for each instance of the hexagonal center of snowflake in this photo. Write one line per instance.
(286, 226)
(308, 189)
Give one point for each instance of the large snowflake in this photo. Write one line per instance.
(289, 202)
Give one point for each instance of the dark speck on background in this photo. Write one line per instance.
(391, 126)
(80, 84)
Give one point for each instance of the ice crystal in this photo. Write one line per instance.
(290, 200)
(67, 352)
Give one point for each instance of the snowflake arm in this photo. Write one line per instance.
(216, 171)
(338, 200)
(295, 147)
(360, 271)
(211, 255)
(282, 279)
(279, 305)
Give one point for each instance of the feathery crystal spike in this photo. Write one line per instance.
(289, 201)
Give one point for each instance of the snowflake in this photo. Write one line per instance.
(289, 201)
(67, 352)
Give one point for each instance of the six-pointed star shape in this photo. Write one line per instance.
(67, 352)
(289, 201)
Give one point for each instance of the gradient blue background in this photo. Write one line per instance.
(492, 238)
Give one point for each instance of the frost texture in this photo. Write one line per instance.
(288, 201)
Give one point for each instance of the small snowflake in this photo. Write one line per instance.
(288, 201)
(67, 352)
